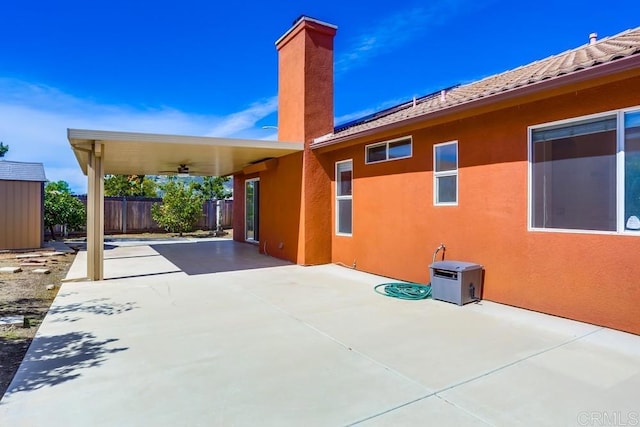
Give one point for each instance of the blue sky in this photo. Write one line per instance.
(210, 68)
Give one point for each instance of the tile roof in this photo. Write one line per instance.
(603, 51)
(21, 171)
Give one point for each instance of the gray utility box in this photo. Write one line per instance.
(456, 281)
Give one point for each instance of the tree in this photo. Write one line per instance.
(180, 209)
(212, 187)
(3, 149)
(129, 185)
(62, 208)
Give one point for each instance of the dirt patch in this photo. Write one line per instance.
(27, 294)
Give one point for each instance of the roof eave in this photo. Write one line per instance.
(602, 70)
(225, 155)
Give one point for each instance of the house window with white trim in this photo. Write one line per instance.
(445, 173)
(395, 149)
(344, 198)
(585, 174)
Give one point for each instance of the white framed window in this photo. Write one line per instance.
(445, 174)
(344, 197)
(400, 148)
(584, 174)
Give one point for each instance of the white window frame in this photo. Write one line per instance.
(386, 145)
(348, 197)
(620, 173)
(437, 175)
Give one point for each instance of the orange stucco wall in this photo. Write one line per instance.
(305, 110)
(295, 190)
(280, 208)
(305, 82)
(396, 228)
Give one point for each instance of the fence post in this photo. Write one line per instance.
(209, 208)
(124, 214)
(218, 215)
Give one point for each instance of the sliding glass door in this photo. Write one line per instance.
(252, 210)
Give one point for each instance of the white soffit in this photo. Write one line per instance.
(131, 153)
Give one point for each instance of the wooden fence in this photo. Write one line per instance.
(124, 215)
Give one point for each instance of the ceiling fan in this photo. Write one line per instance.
(182, 171)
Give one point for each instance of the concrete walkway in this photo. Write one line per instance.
(292, 345)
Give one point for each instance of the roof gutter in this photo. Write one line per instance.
(601, 70)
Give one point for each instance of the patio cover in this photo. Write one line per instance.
(128, 153)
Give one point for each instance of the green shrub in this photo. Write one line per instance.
(180, 209)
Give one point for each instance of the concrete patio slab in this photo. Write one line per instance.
(571, 385)
(292, 345)
(126, 261)
(216, 256)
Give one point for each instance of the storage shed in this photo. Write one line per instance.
(21, 205)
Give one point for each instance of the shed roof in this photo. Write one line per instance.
(620, 46)
(21, 171)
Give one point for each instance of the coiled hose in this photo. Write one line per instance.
(404, 290)
(411, 291)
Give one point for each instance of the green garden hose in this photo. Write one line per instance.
(411, 291)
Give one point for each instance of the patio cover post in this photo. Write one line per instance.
(95, 213)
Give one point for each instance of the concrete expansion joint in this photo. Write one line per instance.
(419, 399)
(463, 409)
(340, 343)
(438, 395)
(379, 414)
(518, 361)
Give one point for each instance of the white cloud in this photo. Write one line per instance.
(34, 119)
(394, 31)
(245, 119)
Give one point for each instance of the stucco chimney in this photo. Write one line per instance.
(305, 80)
(593, 38)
